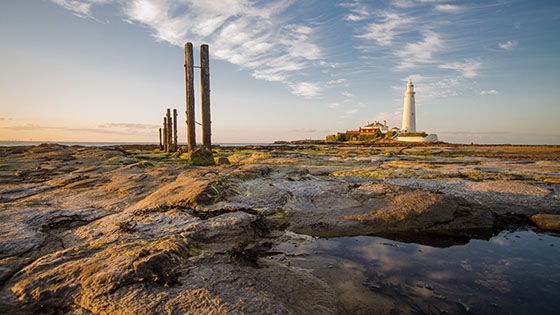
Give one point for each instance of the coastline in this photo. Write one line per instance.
(88, 228)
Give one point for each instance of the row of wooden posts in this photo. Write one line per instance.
(168, 134)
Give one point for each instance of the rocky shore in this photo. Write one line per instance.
(130, 230)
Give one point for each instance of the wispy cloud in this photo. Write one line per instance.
(126, 126)
(26, 126)
(101, 128)
(449, 8)
(386, 28)
(509, 45)
(358, 11)
(467, 68)
(336, 82)
(403, 3)
(399, 35)
(305, 89)
(79, 8)
(488, 92)
(428, 87)
(254, 35)
(333, 105)
(420, 52)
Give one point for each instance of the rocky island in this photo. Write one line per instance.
(132, 230)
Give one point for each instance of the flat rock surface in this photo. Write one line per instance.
(547, 221)
(135, 231)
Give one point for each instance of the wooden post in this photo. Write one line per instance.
(164, 133)
(160, 143)
(175, 129)
(169, 147)
(189, 74)
(205, 94)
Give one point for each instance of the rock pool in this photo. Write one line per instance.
(511, 273)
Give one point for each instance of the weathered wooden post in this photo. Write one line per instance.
(169, 131)
(189, 74)
(164, 133)
(205, 94)
(175, 129)
(160, 143)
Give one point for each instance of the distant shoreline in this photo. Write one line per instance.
(98, 144)
(279, 143)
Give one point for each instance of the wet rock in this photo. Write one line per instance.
(547, 221)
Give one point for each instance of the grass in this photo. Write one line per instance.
(153, 156)
(414, 134)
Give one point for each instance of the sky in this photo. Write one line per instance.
(485, 71)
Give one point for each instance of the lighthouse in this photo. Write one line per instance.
(409, 111)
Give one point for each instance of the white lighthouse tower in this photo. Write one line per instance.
(409, 111)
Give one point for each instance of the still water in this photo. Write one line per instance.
(511, 273)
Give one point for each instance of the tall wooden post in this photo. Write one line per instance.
(174, 129)
(189, 74)
(169, 131)
(164, 133)
(160, 143)
(205, 94)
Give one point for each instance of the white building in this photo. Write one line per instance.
(409, 111)
(408, 131)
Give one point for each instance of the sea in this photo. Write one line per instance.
(100, 144)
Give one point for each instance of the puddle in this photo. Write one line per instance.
(511, 273)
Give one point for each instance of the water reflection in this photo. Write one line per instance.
(511, 273)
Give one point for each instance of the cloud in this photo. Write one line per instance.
(414, 78)
(333, 105)
(26, 126)
(126, 126)
(403, 3)
(102, 128)
(347, 94)
(436, 86)
(355, 18)
(79, 8)
(509, 45)
(336, 82)
(254, 35)
(488, 92)
(467, 68)
(421, 52)
(449, 8)
(305, 89)
(359, 11)
(387, 28)
(349, 112)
